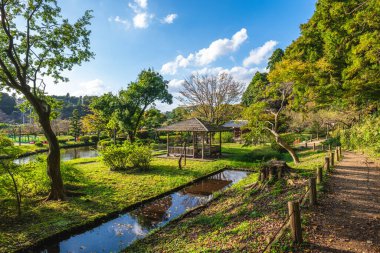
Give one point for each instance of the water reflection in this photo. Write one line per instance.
(118, 233)
(66, 154)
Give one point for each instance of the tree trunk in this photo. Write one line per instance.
(53, 160)
(131, 136)
(288, 148)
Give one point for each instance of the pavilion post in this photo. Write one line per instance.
(203, 145)
(194, 144)
(167, 144)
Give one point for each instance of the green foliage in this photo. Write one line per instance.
(75, 124)
(85, 139)
(227, 137)
(39, 144)
(94, 138)
(255, 89)
(364, 135)
(275, 58)
(127, 156)
(105, 143)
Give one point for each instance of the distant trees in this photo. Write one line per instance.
(211, 95)
(37, 42)
(255, 88)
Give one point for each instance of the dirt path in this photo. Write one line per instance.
(347, 218)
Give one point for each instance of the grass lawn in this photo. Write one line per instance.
(239, 221)
(99, 191)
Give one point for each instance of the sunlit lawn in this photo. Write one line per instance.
(99, 191)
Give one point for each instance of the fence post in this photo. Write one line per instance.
(340, 151)
(332, 159)
(329, 147)
(313, 191)
(337, 154)
(314, 146)
(319, 175)
(305, 144)
(327, 164)
(323, 147)
(295, 221)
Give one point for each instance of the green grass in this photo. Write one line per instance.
(96, 191)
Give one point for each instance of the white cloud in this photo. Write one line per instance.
(239, 73)
(119, 20)
(175, 83)
(169, 19)
(142, 3)
(94, 87)
(207, 55)
(258, 55)
(141, 20)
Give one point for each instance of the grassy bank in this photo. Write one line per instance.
(96, 191)
(239, 221)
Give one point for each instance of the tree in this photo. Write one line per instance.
(94, 123)
(153, 119)
(75, 124)
(267, 115)
(254, 89)
(210, 95)
(36, 42)
(275, 58)
(135, 100)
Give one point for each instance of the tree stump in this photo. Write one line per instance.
(274, 169)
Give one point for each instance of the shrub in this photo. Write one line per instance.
(62, 141)
(127, 156)
(105, 143)
(5, 142)
(226, 137)
(85, 139)
(39, 144)
(117, 158)
(94, 138)
(140, 157)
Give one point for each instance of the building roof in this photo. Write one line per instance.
(192, 125)
(236, 123)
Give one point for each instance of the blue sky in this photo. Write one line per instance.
(179, 37)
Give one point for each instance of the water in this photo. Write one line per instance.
(66, 154)
(117, 234)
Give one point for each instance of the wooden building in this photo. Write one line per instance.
(200, 144)
(238, 127)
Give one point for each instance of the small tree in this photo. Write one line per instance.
(75, 124)
(210, 95)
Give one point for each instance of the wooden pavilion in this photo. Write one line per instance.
(201, 144)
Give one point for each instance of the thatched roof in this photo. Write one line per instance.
(192, 125)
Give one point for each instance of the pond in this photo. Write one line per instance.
(117, 234)
(66, 154)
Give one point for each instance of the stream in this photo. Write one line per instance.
(118, 233)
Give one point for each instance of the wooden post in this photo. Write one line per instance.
(313, 146)
(184, 151)
(337, 154)
(203, 145)
(323, 147)
(319, 175)
(312, 191)
(305, 144)
(193, 144)
(332, 159)
(295, 221)
(327, 164)
(340, 151)
(329, 147)
(167, 144)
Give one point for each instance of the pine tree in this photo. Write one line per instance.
(75, 124)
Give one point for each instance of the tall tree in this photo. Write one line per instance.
(275, 58)
(210, 95)
(36, 42)
(135, 100)
(75, 124)
(255, 88)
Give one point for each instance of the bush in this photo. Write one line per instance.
(85, 139)
(105, 143)
(226, 137)
(62, 141)
(39, 144)
(127, 156)
(140, 157)
(94, 138)
(5, 142)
